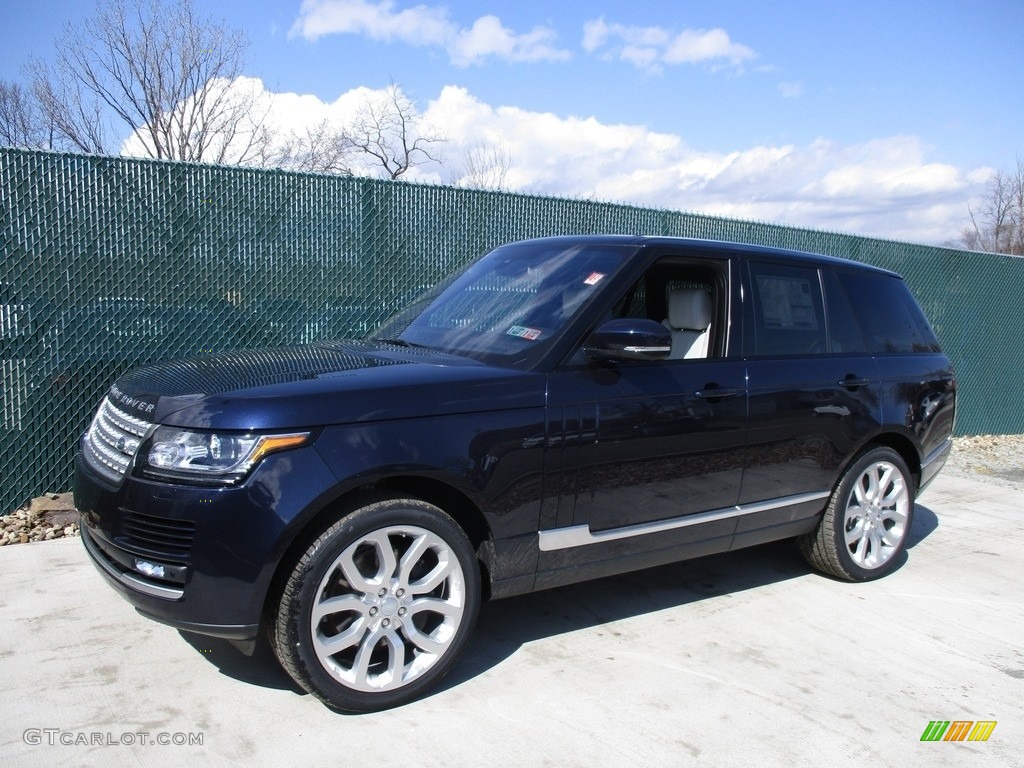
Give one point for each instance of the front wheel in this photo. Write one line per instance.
(863, 532)
(378, 608)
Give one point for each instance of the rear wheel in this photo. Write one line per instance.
(863, 532)
(379, 607)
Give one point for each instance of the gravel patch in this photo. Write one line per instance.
(994, 458)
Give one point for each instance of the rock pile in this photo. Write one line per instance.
(47, 517)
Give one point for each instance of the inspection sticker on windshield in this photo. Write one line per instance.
(524, 333)
(594, 279)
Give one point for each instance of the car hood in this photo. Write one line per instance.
(318, 385)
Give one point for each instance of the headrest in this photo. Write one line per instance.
(689, 309)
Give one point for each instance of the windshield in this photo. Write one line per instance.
(511, 305)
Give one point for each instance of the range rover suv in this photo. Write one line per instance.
(563, 409)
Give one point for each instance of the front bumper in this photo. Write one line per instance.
(199, 559)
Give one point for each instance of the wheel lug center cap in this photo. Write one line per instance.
(389, 606)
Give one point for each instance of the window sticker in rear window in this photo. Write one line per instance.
(787, 303)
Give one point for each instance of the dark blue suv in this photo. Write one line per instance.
(563, 409)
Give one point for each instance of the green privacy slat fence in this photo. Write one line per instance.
(108, 263)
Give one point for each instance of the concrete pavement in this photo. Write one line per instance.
(741, 659)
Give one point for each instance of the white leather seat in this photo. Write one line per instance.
(689, 317)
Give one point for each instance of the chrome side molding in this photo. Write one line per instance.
(581, 535)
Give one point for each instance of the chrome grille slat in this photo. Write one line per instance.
(113, 439)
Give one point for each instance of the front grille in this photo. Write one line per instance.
(113, 439)
(157, 534)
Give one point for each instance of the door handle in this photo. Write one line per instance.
(852, 382)
(715, 393)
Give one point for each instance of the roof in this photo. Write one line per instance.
(721, 247)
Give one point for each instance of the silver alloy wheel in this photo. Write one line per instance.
(388, 608)
(875, 521)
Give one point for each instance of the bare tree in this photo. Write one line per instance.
(997, 223)
(390, 130)
(21, 121)
(158, 70)
(486, 166)
(320, 149)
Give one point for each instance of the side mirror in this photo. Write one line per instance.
(629, 338)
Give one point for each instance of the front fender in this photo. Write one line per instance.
(495, 459)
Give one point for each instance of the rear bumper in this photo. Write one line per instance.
(934, 462)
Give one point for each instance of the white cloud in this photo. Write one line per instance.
(649, 48)
(886, 187)
(791, 90)
(421, 25)
(488, 37)
(426, 26)
(597, 33)
(694, 46)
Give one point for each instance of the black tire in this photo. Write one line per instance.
(401, 617)
(863, 532)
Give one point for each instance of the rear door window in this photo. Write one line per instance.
(789, 316)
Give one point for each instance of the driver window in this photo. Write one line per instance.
(688, 315)
(683, 297)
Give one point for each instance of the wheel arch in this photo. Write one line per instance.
(900, 443)
(452, 501)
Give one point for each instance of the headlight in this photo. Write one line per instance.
(221, 457)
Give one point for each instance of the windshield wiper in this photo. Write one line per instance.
(401, 343)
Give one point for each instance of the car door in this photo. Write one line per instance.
(647, 456)
(813, 396)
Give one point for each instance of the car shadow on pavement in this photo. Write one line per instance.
(506, 625)
(261, 668)
(925, 522)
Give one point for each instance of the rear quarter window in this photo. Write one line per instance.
(845, 336)
(889, 318)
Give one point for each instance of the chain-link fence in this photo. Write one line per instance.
(109, 263)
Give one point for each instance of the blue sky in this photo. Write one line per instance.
(882, 118)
